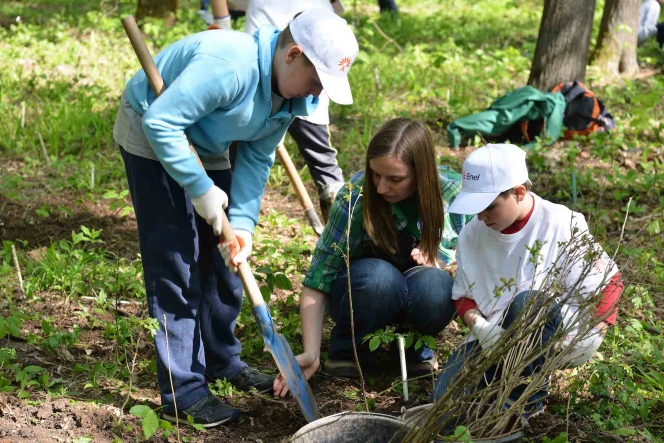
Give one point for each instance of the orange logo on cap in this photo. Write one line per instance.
(345, 63)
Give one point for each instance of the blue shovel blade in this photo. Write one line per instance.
(288, 367)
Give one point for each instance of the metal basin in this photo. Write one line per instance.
(353, 427)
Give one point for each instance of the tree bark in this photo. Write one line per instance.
(615, 53)
(155, 8)
(563, 43)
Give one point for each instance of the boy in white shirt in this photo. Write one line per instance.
(518, 235)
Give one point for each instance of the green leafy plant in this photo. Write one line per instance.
(55, 338)
(561, 438)
(118, 202)
(149, 419)
(11, 325)
(388, 335)
(271, 278)
(224, 388)
(27, 377)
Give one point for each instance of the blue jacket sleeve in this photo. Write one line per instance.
(252, 168)
(196, 92)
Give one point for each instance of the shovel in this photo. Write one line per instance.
(274, 342)
(300, 190)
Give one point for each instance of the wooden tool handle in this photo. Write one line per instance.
(158, 86)
(143, 54)
(300, 190)
(295, 178)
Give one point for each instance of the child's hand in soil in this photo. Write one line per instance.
(308, 363)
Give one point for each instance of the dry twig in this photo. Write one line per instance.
(18, 273)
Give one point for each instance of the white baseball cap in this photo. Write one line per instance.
(328, 42)
(486, 173)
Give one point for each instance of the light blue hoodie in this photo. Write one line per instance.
(218, 89)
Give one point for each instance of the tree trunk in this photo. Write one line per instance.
(156, 8)
(616, 45)
(563, 43)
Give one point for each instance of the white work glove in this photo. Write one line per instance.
(210, 206)
(223, 23)
(582, 350)
(486, 333)
(232, 256)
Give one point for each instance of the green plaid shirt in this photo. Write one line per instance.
(327, 259)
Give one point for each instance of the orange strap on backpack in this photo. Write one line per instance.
(593, 126)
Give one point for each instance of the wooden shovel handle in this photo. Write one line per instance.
(158, 86)
(143, 54)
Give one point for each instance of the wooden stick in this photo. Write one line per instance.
(43, 146)
(404, 371)
(387, 37)
(647, 73)
(149, 67)
(22, 114)
(120, 302)
(622, 231)
(18, 272)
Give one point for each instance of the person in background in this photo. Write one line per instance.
(648, 26)
(388, 6)
(224, 12)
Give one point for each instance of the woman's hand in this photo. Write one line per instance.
(312, 314)
(421, 259)
(309, 364)
(451, 269)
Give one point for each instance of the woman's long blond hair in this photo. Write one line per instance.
(410, 142)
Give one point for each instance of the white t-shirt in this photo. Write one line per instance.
(279, 13)
(484, 256)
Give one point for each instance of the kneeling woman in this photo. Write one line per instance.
(399, 230)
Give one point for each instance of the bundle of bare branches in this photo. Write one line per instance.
(483, 404)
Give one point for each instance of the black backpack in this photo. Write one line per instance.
(584, 112)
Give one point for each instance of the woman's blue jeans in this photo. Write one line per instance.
(420, 298)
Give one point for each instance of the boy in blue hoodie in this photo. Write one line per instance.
(222, 87)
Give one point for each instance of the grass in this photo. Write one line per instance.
(64, 66)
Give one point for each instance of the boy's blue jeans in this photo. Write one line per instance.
(421, 298)
(186, 281)
(471, 350)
